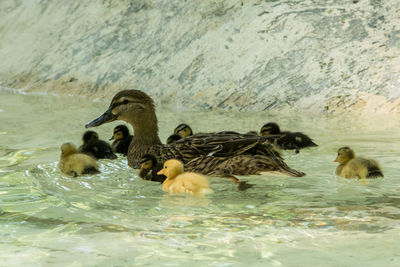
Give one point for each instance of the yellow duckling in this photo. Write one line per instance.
(179, 181)
(74, 163)
(351, 166)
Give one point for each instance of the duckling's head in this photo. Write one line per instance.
(89, 136)
(147, 161)
(172, 168)
(270, 128)
(120, 132)
(344, 154)
(132, 106)
(183, 130)
(173, 138)
(68, 149)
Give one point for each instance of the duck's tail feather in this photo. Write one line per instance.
(284, 168)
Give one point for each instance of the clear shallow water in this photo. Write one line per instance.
(117, 219)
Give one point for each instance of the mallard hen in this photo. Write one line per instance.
(223, 149)
(351, 166)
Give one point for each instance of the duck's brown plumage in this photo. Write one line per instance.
(217, 152)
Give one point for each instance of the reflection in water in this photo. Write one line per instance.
(113, 214)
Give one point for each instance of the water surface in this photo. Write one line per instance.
(117, 219)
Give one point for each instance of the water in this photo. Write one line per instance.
(117, 219)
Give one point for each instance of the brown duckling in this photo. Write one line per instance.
(122, 139)
(173, 138)
(179, 181)
(183, 130)
(149, 168)
(351, 166)
(95, 147)
(285, 139)
(223, 148)
(74, 163)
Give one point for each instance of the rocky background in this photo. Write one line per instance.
(304, 55)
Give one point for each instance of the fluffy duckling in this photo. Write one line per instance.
(95, 147)
(74, 163)
(149, 168)
(122, 139)
(183, 130)
(173, 138)
(179, 181)
(351, 166)
(287, 140)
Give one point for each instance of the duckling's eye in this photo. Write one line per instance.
(126, 101)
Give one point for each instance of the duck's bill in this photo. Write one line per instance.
(106, 117)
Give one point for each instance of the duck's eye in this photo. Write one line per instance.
(126, 101)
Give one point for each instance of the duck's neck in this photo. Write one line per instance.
(146, 131)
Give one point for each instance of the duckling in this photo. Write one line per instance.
(351, 166)
(210, 149)
(252, 132)
(179, 181)
(287, 140)
(95, 147)
(149, 168)
(122, 139)
(173, 138)
(74, 163)
(183, 130)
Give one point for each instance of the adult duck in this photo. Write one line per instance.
(224, 148)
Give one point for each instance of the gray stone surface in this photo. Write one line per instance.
(320, 56)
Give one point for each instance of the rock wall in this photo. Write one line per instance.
(321, 56)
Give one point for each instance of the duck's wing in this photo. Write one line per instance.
(224, 144)
(240, 165)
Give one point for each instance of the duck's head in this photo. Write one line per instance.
(147, 161)
(183, 130)
(173, 138)
(68, 149)
(132, 106)
(172, 168)
(89, 136)
(344, 154)
(120, 132)
(270, 128)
